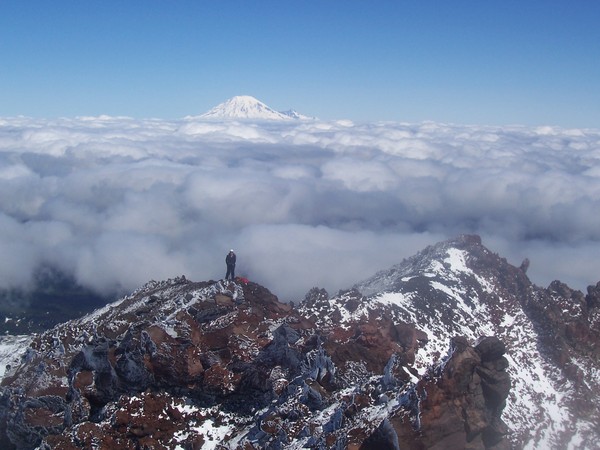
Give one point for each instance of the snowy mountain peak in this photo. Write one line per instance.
(248, 107)
(437, 260)
(460, 288)
(292, 113)
(244, 107)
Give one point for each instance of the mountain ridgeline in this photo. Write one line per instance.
(452, 348)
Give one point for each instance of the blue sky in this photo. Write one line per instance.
(493, 62)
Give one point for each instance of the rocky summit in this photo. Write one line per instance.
(453, 348)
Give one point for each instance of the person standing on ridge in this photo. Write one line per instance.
(230, 261)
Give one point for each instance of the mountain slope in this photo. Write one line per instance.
(246, 107)
(452, 348)
(552, 335)
(194, 365)
(296, 115)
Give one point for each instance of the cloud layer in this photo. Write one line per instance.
(117, 201)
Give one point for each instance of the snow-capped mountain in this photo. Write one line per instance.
(247, 107)
(461, 288)
(452, 348)
(292, 113)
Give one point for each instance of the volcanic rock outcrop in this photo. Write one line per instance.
(180, 364)
(452, 348)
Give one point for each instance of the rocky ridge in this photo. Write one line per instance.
(445, 350)
(552, 335)
(192, 365)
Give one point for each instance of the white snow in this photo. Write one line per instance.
(244, 107)
(456, 259)
(185, 408)
(11, 350)
(507, 321)
(401, 300)
(213, 433)
(458, 263)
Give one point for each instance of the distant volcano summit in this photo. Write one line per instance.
(248, 107)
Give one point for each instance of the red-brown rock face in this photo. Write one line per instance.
(452, 348)
(195, 365)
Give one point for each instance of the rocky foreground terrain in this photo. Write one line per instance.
(452, 348)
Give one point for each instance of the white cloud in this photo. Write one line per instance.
(361, 175)
(122, 260)
(118, 201)
(292, 258)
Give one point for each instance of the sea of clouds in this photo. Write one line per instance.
(116, 201)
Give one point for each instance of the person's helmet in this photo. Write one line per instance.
(231, 251)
